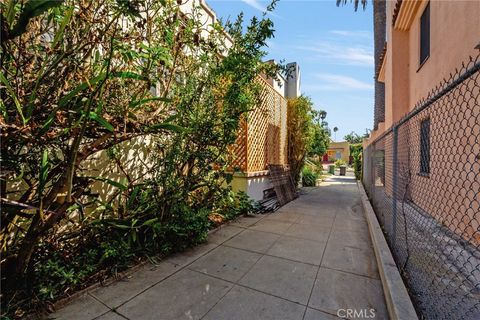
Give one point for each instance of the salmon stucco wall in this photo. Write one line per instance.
(454, 33)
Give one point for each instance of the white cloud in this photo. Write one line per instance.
(336, 82)
(353, 33)
(255, 4)
(341, 54)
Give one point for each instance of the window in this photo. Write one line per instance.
(425, 146)
(425, 35)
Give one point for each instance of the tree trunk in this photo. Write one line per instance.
(379, 30)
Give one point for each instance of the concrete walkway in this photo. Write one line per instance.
(305, 261)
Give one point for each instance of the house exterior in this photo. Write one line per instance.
(427, 48)
(262, 138)
(336, 151)
(451, 33)
(421, 163)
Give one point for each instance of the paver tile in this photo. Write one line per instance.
(321, 220)
(350, 259)
(313, 314)
(286, 216)
(314, 209)
(350, 238)
(335, 290)
(247, 304)
(347, 224)
(256, 241)
(223, 234)
(110, 316)
(309, 232)
(274, 226)
(226, 263)
(84, 308)
(283, 278)
(245, 222)
(184, 258)
(185, 295)
(302, 250)
(123, 290)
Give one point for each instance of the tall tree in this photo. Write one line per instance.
(335, 130)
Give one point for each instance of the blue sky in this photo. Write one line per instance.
(334, 48)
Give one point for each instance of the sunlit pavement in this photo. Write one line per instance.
(312, 259)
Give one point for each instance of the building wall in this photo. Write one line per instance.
(454, 33)
(293, 81)
(342, 147)
(449, 193)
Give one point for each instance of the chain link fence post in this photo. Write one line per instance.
(394, 186)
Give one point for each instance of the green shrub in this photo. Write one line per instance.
(356, 148)
(309, 177)
(340, 163)
(235, 204)
(357, 165)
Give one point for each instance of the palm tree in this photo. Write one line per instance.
(335, 130)
(323, 115)
(379, 30)
(355, 3)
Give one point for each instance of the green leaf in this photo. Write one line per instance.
(43, 172)
(42, 179)
(166, 126)
(112, 183)
(5, 82)
(65, 99)
(32, 8)
(10, 12)
(3, 110)
(150, 222)
(121, 226)
(128, 75)
(61, 29)
(93, 116)
(133, 196)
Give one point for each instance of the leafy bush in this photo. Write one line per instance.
(356, 148)
(357, 165)
(340, 163)
(309, 177)
(306, 135)
(80, 82)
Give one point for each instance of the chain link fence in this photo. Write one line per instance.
(423, 179)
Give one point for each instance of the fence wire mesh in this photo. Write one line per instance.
(423, 179)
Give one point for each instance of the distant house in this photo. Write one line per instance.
(336, 151)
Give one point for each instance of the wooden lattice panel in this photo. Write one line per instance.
(262, 138)
(238, 151)
(266, 130)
